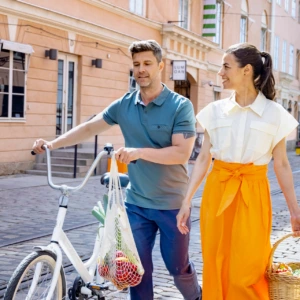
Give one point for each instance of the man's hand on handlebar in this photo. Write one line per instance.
(127, 155)
(37, 146)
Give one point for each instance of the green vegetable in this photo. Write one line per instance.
(98, 214)
(105, 202)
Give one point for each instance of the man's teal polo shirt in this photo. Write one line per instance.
(153, 185)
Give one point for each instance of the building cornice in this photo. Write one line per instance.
(285, 79)
(56, 19)
(187, 37)
(193, 43)
(172, 55)
(124, 13)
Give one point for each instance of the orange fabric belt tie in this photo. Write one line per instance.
(237, 177)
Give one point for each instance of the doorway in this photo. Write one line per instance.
(66, 93)
(183, 87)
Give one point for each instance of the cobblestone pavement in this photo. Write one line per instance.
(29, 207)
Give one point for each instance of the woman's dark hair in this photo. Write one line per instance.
(149, 45)
(261, 63)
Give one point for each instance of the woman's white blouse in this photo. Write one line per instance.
(245, 134)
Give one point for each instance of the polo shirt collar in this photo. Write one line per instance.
(159, 100)
(257, 106)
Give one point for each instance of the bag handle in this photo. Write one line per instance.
(274, 248)
(114, 186)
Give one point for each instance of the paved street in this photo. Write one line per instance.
(29, 207)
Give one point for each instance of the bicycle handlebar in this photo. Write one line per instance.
(65, 188)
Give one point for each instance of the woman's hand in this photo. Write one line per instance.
(182, 217)
(295, 222)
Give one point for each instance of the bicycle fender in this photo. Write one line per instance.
(44, 248)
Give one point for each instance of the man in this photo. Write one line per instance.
(159, 130)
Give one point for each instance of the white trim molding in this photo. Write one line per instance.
(56, 19)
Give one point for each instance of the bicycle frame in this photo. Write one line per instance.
(60, 241)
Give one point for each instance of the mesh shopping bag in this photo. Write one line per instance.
(118, 261)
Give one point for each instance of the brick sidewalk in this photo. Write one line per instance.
(29, 207)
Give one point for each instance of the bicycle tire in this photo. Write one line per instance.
(19, 283)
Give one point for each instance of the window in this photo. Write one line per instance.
(294, 8)
(284, 55)
(278, 2)
(299, 12)
(263, 39)
(219, 13)
(286, 5)
(132, 82)
(243, 32)
(137, 6)
(263, 32)
(291, 64)
(12, 84)
(243, 21)
(183, 13)
(276, 52)
(285, 103)
(298, 65)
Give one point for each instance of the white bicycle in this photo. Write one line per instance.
(40, 276)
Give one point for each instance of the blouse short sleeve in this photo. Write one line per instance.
(287, 123)
(203, 117)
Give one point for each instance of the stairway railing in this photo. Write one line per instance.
(95, 151)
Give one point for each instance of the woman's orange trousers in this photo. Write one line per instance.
(235, 221)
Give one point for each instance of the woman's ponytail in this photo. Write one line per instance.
(266, 81)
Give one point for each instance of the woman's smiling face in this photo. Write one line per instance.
(231, 73)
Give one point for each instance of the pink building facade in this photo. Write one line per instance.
(63, 61)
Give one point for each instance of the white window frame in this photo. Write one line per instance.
(219, 23)
(132, 82)
(263, 41)
(276, 52)
(284, 56)
(243, 29)
(27, 50)
(298, 65)
(183, 15)
(286, 5)
(291, 60)
(299, 14)
(293, 11)
(134, 7)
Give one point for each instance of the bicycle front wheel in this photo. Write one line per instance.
(32, 278)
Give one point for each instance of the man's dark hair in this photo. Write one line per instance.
(148, 45)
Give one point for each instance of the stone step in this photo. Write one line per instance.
(61, 168)
(69, 153)
(54, 173)
(70, 161)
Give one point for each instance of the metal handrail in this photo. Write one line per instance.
(95, 151)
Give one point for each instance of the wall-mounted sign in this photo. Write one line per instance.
(179, 70)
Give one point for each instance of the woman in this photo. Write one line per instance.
(242, 133)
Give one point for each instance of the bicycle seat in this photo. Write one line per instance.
(124, 179)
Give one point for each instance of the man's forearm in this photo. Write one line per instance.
(172, 155)
(81, 132)
(72, 137)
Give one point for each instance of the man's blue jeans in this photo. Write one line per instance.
(145, 223)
